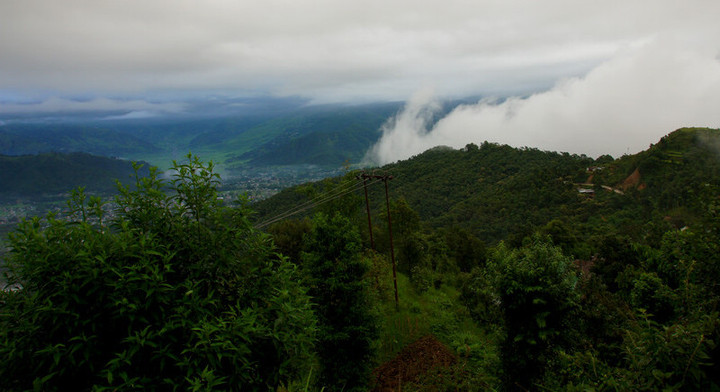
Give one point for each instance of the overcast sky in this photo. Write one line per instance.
(152, 55)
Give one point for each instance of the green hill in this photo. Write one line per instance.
(493, 190)
(40, 138)
(510, 269)
(610, 266)
(241, 139)
(34, 176)
(672, 172)
(321, 136)
(499, 192)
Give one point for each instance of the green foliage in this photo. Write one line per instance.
(651, 294)
(478, 294)
(409, 244)
(348, 204)
(336, 277)
(674, 357)
(467, 250)
(665, 337)
(536, 288)
(671, 357)
(178, 293)
(645, 247)
(288, 236)
(614, 255)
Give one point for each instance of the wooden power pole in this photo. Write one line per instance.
(385, 179)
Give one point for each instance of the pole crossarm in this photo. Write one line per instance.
(383, 177)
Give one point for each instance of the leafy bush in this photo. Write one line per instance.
(674, 357)
(336, 275)
(178, 293)
(536, 288)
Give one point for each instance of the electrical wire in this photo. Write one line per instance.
(318, 200)
(321, 199)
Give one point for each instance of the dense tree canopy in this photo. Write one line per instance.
(175, 293)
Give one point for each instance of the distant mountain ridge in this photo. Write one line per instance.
(27, 139)
(51, 174)
(326, 135)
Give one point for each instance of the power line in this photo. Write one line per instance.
(323, 198)
(384, 178)
(310, 202)
(319, 200)
(338, 192)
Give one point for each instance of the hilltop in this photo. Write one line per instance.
(28, 139)
(499, 192)
(53, 174)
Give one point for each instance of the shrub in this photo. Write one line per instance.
(178, 293)
(536, 288)
(336, 274)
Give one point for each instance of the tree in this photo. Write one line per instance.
(408, 241)
(336, 275)
(178, 293)
(536, 288)
(467, 250)
(288, 236)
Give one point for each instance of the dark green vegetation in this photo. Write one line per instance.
(532, 284)
(26, 139)
(50, 174)
(613, 288)
(175, 293)
(336, 277)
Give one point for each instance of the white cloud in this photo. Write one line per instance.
(133, 115)
(55, 105)
(621, 106)
(328, 50)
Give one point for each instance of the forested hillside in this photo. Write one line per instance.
(502, 193)
(319, 136)
(509, 269)
(28, 139)
(580, 273)
(35, 176)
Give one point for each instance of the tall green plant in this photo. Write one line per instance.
(336, 274)
(178, 293)
(536, 288)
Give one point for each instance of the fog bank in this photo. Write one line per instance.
(619, 107)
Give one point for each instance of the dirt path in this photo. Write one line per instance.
(415, 360)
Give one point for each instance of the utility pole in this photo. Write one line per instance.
(367, 208)
(385, 179)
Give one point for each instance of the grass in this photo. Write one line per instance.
(439, 311)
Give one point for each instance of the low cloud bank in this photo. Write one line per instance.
(58, 105)
(619, 107)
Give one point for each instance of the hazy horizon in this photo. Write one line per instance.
(576, 76)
